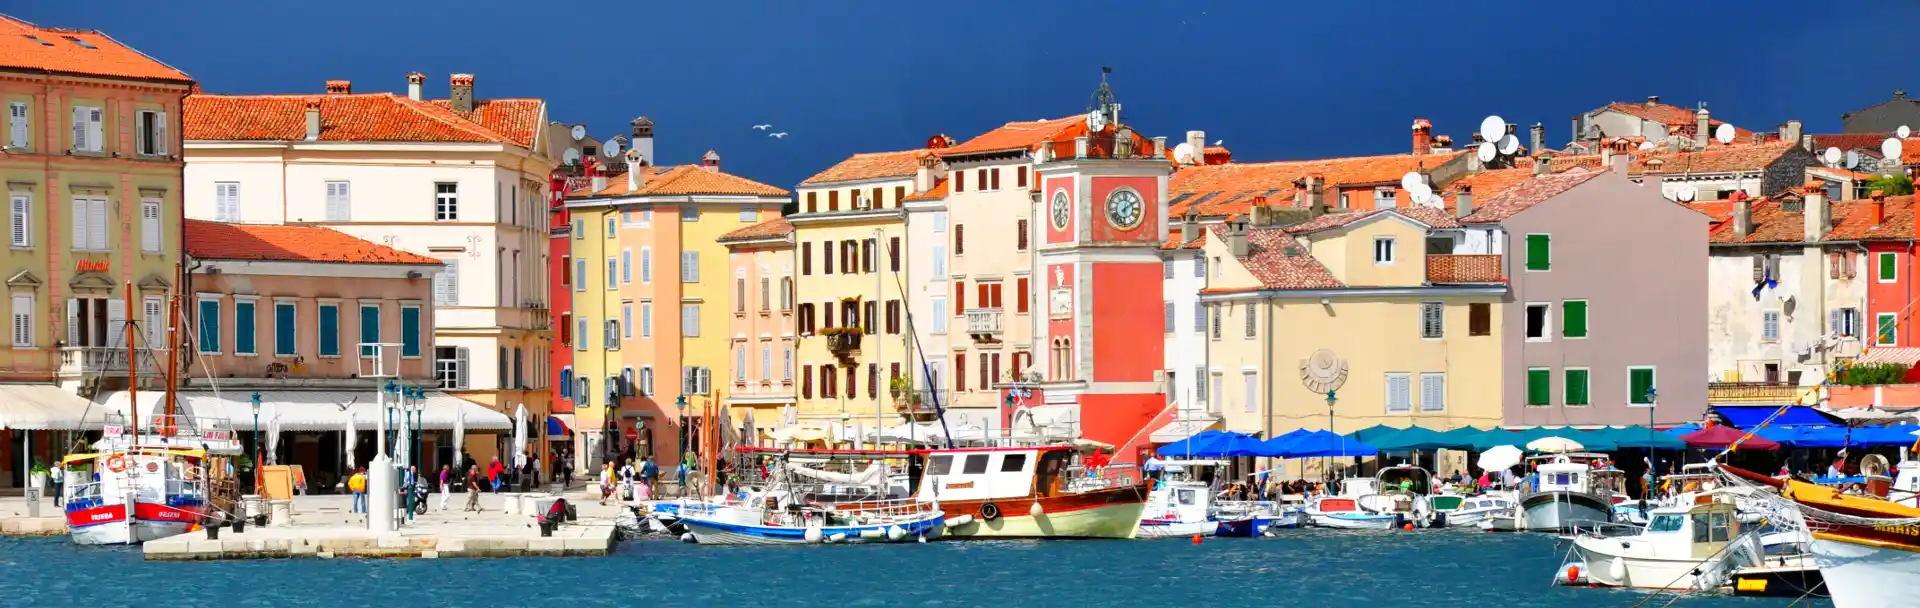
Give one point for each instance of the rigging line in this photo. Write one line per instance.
(926, 371)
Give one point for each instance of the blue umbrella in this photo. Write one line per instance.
(1235, 445)
(1327, 444)
(1277, 446)
(1820, 437)
(1883, 436)
(1199, 444)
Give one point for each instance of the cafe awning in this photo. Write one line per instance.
(42, 407)
(311, 410)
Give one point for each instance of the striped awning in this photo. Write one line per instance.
(1903, 355)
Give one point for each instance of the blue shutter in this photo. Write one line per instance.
(243, 328)
(410, 331)
(369, 328)
(283, 320)
(209, 326)
(566, 382)
(330, 330)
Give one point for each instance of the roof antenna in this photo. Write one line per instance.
(1103, 101)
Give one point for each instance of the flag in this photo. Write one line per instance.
(1766, 282)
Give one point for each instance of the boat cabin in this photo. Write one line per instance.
(1412, 479)
(1698, 530)
(991, 473)
(1178, 501)
(1573, 473)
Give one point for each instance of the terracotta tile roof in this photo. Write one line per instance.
(1850, 141)
(939, 191)
(518, 119)
(1727, 159)
(25, 46)
(1432, 217)
(1487, 184)
(1173, 240)
(1670, 115)
(1014, 136)
(1526, 194)
(1839, 173)
(1564, 163)
(683, 180)
(1771, 224)
(1280, 261)
(870, 165)
(1854, 220)
(220, 241)
(373, 117)
(1221, 190)
(1720, 210)
(776, 227)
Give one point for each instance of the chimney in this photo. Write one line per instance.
(462, 97)
(642, 140)
(1701, 134)
(1879, 208)
(1442, 143)
(313, 119)
(711, 161)
(1539, 132)
(1237, 237)
(1316, 194)
(1464, 207)
(1814, 212)
(1653, 100)
(1742, 218)
(339, 87)
(1606, 156)
(1198, 141)
(1542, 164)
(1422, 137)
(1806, 141)
(633, 179)
(923, 176)
(1189, 227)
(414, 80)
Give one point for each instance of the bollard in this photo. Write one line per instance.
(33, 501)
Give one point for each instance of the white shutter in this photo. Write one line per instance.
(97, 224)
(23, 321)
(79, 224)
(339, 201)
(1252, 403)
(80, 128)
(154, 316)
(446, 284)
(706, 380)
(22, 208)
(460, 365)
(646, 265)
(687, 381)
(17, 124)
(95, 140)
(150, 226)
(116, 323)
(73, 321)
(160, 133)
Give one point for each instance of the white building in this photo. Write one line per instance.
(1788, 290)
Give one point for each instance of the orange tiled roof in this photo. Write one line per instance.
(25, 46)
(1488, 183)
(683, 180)
(1839, 173)
(1432, 217)
(1280, 261)
(1670, 115)
(776, 227)
(1720, 210)
(221, 241)
(1014, 136)
(1771, 224)
(870, 165)
(938, 191)
(1173, 241)
(1854, 220)
(518, 119)
(1526, 194)
(1850, 141)
(1220, 190)
(372, 117)
(1725, 159)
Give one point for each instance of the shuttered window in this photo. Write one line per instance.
(959, 239)
(1640, 385)
(806, 259)
(1433, 392)
(209, 320)
(1578, 387)
(410, 334)
(284, 329)
(1573, 318)
(446, 283)
(339, 202)
(1480, 319)
(1539, 252)
(22, 219)
(23, 321)
(1399, 393)
(150, 225)
(329, 330)
(1020, 294)
(1539, 386)
(1020, 235)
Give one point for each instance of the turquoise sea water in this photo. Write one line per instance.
(1307, 568)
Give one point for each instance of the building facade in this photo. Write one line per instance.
(761, 368)
(1784, 301)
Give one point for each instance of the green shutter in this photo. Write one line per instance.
(1574, 318)
(243, 328)
(209, 326)
(1887, 272)
(369, 329)
(330, 331)
(1539, 250)
(1639, 382)
(1539, 387)
(1889, 325)
(1577, 387)
(410, 331)
(283, 320)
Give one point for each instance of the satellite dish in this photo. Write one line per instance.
(1853, 158)
(1509, 144)
(572, 156)
(1832, 156)
(1183, 153)
(1486, 152)
(613, 147)
(1890, 149)
(1492, 129)
(579, 132)
(1686, 195)
(1096, 120)
(1323, 372)
(1647, 145)
(1411, 181)
(1724, 133)
(1418, 192)
(1902, 132)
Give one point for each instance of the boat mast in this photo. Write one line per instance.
(133, 376)
(173, 351)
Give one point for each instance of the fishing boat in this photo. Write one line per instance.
(813, 496)
(1343, 511)
(1682, 547)
(1866, 547)
(1570, 492)
(1177, 509)
(1030, 492)
(1247, 518)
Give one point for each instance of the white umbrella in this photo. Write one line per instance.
(350, 442)
(273, 437)
(748, 434)
(1554, 445)
(405, 442)
(789, 416)
(459, 435)
(519, 435)
(1499, 457)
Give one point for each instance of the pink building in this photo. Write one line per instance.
(761, 367)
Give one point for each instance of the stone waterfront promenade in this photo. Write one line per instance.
(17, 520)
(324, 527)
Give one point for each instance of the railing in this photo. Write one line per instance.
(1465, 268)
(983, 322)
(1752, 392)
(1106, 145)
(1083, 479)
(76, 360)
(844, 344)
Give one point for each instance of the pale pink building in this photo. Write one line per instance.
(760, 366)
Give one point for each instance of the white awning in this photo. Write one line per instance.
(311, 410)
(1183, 427)
(42, 407)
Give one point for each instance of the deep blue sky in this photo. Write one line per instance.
(1276, 80)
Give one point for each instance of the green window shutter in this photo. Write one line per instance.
(369, 329)
(1888, 329)
(1887, 272)
(330, 331)
(1539, 387)
(209, 326)
(283, 320)
(1577, 387)
(410, 332)
(243, 328)
(1574, 318)
(1639, 381)
(1539, 250)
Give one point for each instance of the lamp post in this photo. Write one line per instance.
(255, 399)
(1330, 399)
(1653, 402)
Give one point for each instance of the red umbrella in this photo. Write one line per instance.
(1720, 436)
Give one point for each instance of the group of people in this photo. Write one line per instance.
(470, 477)
(637, 482)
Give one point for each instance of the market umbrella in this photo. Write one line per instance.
(1492, 438)
(1323, 444)
(1718, 436)
(1554, 445)
(1278, 446)
(459, 436)
(1646, 438)
(1884, 436)
(1237, 445)
(1367, 435)
(350, 443)
(1412, 438)
(273, 437)
(749, 435)
(1200, 443)
(519, 435)
(1463, 438)
(1499, 457)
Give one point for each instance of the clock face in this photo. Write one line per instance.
(1125, 209)
(1061, 210)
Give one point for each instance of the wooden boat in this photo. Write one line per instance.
(1569, 493)
(1866, 547)
(1029, 492)
(770, 520)
(1177, 509)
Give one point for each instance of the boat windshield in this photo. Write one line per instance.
(1666, 523)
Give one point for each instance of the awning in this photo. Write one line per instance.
(555, 428)
(1746, 416)
(42, 407)
(308, 410)
(1904, 355)
(1182, 428)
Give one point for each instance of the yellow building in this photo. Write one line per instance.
(652, 298)
(1351, 303)
(849, 246)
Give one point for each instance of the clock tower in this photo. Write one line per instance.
(1103, 192)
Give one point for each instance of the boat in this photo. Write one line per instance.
(1249, 518)
(1459, 511)
(1866, 547)
(1690, 547)
(1570, 492)
(811, 497)
(1030, 492)
(1177, 509)
(1343, 510)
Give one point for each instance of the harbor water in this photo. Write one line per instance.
(1301, 567)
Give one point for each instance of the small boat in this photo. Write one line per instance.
(1358, 520)
(1457, 511)
(1344, 511)
(1867, 547)
(1570, 493)
(780, 522)
(1177, 509)
(1684, 547)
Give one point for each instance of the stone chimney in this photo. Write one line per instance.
(926, 173)
(1189, 227)
(462, 96)
(1316, 194)
(1442, 143)
(1653, 100)
(1539, 141)
(339, 87)
(1814, 212)
(313, 119)
(1806, 141)
(1701, 133)
(414, 81)
(1879, 207)
(711, 161)
(1464, 207)
(1542, 164)
(1742, 218)
(1422, 137)
(1198, 141)
(1790, 131)
(642, 139)
(1237, 237)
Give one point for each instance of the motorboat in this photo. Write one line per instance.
(1866, 547)
(1461, 511)
(1248, 518)
(1177, 509)
(1344, 510)
(1569, 492)
(1045, 491)
(811, 497)
(1688, 547)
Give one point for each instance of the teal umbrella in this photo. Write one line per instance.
(1639, 436)
(1464, 438)
(1413, 438)
(1367, 435)
(1496, 437)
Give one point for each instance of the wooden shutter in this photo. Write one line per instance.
(833, 200)
(959, 298)
(996, 295)
(893, 317)
(1020, 237)
(866, 255)
(996, 178)
(960, 372)
(893, 253)
(876, 202)
(959, 239)
(986, 377)
(813, 202)
(960, 181)
(1020, 176)
(980, 180)
(899, 195)
(806, 259)
(873, 312)
(1759, 267)
(873, 380)
(1020, 292)
(1479, 319)
(826, 257)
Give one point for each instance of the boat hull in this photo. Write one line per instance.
(1472, 518)
(1250, 527)
(1355, 521)
(1292, 518)
(1861, 573)
(1635, 572)
(107, 524)
(1562, 510)
(1110, 513)
(1175, 529)
(717, 532)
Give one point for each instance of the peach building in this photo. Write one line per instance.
(761, 369)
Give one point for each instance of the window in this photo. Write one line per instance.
(1020, 235)
(939, 314)
(766, 294)
(90, 224)
(329, 330)
(696, 380)
(23, 320)
(739, 295)
(1888, 332)
(806, 259)
(87, 129)
(646, 264)
(1844, 321)
(893, 253)
(646, 319)
(628, 382)
(1014, 463)
(939, 260)
(612, 338)
(689, 266)
(339, 202)
(959, 239)
(995, 183)
(22, 219)
(369, 327)
(580, 274)
(566, 381)
(579, 234)
(1579, 386)
(156, 320)
(975, 464)
(283, 328)
(150, 134)
(1200, 267)
(613, 226)
(580, 338)
(748, 215)
(806, 382)
(1538, 320)
(1250, 380)
(583, 394)
(740, 364)
(1251, 320)
(787, 369)
(1432, 320)
(450, 369)
(1169, 307)
(1573, 318)
(690, 320)
(1200, 385)
(244, 327)
(209, 319)
(1383, 251)
(446, 202)
(1539, 386)
(226, 201)
(1433, 392)
(1199, 318)
(410, 331)
(1166, 269)
(893, 317)
(1888, 270)
(1770, 326)
(17, 121)
(1399, 393)
(1640, 385)
(1539, 252)
(446, 283)
(150, 225)
(626, 266)
(766, 363)
(646, 380)
(1383, 197)
(626, 319)
(1215, 328)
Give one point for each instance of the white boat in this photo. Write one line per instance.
(775, 520)
(1357, 520)
(1457, 511)
(1570, 493)
(1682, 548)
(1176, 509)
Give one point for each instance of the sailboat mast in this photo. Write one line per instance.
(133, 375)
(173, 357)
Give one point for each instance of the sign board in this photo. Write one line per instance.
(633, 433)
(113, 430)
(217, 435)
(86, 265)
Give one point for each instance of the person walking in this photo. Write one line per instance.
(649, 472)
(473, 489)
(59, 475)
(494, 471)
(358, 485)
(681, 473)
(445, 477)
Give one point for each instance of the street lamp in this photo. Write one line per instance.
(256, 441)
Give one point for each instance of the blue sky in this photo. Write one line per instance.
(1275, 80)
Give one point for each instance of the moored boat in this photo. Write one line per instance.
(1683, 547)
(1030, 492)
(1177, 509)
(1569, 493)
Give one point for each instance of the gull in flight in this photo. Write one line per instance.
(780, 135)
(343, 406)
(763, 127)
(1219, 142)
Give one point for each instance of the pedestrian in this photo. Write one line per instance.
(494, 472)
(357, 484)
(606, 482)
(59, 475)
(446, 476)
(650, 472)
(473, 489)
(536, 473)
(681, 472)
(408, 484)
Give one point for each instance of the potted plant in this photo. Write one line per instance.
(37, 476)
(897, 386)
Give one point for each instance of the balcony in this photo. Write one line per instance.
(91, 360)
(1108, 145)
(1454, 269)
(1721, 393)
(919, 404)
(843, 342)
(984, 324)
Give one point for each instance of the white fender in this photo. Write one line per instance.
(872, 533)
(813, 534)
(837, 537)
(959, 520)
(1618, 570)
(1036, 511)
(686, 538)
(895, 533)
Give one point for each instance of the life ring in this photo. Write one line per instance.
(116, 463)
(989, 511)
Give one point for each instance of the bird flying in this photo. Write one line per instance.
(780, 135)
(1219, 142)
(763, 127)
